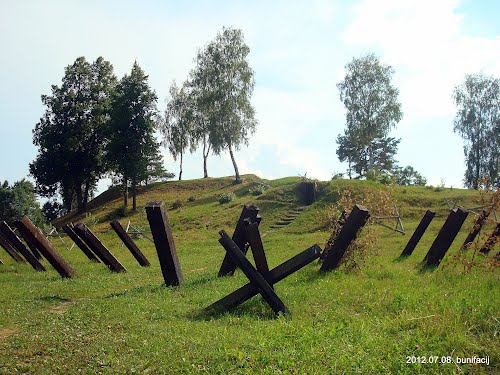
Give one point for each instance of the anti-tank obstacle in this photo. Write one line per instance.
(261, 280)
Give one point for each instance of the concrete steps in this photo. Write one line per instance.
(288, 218)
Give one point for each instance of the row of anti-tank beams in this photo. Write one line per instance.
(245, 236)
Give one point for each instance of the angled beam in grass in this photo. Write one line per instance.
(476, 228)
(255, 243)
(419, 232)
(445, 237)
(29, 241)
(9, 234)
(355, 222)
(164, 243)
(9, 249)
(138, 255)
(491, 241)
(35, 236)
(251, 214)
(329, 244)
(98, 248)
(68, 229)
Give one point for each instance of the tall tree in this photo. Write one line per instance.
(373, 110)
(201, 119)
(71, 134)
(223, 82)
(177, 126)
(478, 123)
(132, 148)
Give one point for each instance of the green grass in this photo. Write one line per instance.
(341, 322)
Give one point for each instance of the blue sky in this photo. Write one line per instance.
(298, 53)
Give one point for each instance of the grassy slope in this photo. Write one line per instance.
(367, 321)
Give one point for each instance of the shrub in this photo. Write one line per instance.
(258, 189)
(117, 213)
(177, 204)
(226, 197)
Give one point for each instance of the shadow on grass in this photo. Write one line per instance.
(400, 259)
(203, 280)
(160, 287)
(51, 298)
(256, 308)
(139, 289)
(424, 269)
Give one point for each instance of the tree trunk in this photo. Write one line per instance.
(206, 151)
(79, 199)
(236, 172)
(478, 160)
(86, 194)
(67, 198)
(180, 169)
(125, 191)
(134, 195)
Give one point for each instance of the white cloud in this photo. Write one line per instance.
(423, 40)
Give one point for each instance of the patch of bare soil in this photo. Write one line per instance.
(6, 332)
(62, 307)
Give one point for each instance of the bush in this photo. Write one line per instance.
(226, 197)
(177, 204)
(258, 189)
(117, 213)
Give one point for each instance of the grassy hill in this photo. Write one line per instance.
(368, 321)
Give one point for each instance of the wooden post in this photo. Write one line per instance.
(419, 232)
(275, 275)
(356, 220)
(29, 242)
(9, 234)
(251, 213)
(492, 239)
(98, 248)
(329, 244)
(164, 243)
(476, 228)
(29, 230)
(255, 278)
(9, 249)
(138, 255)
(78, 241)
(255, 242)
(445, 237)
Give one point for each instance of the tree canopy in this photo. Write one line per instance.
(132, 150)
(178, 123)
(478, 123)
(222, 84)
(372, 110)
(19, 199)
(71, 134)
